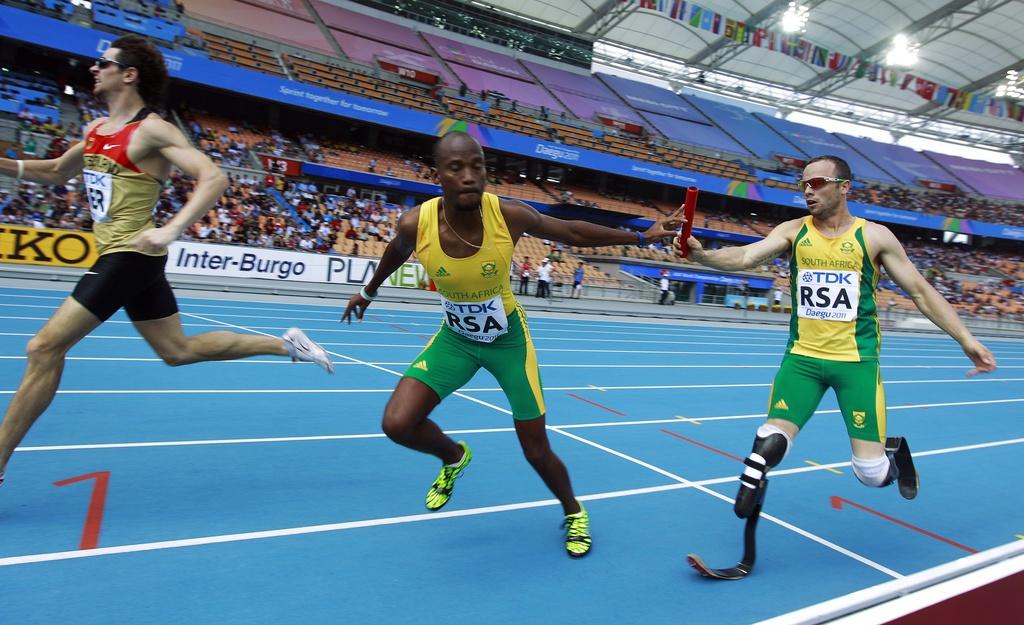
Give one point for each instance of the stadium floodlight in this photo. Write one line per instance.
(903, 52)
(794, 20)
(1011, 87)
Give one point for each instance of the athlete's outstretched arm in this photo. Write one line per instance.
(522, 217)
(50, 170)
(746, 256)
(160, 136)
(396, 253)
(893, 257)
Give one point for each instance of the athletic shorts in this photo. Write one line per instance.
(130, 280)
(802, 381)
(450, 360)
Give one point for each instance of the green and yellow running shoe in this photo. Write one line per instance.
(577, 533)
(441, 490)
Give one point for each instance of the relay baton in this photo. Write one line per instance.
(689, 208)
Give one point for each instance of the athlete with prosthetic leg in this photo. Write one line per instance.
(835, 338)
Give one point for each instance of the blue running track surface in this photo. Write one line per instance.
(262, 491)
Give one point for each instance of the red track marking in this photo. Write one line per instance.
(594, 403)
(401, 329)
(837, 503)
(94, 517)
(708, 447)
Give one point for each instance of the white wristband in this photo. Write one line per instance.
(366, 296)
(21, 170)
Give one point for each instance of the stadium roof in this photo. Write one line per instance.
(964, 44)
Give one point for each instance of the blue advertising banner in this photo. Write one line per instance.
(686, 275)
(378, 181)
(55, 34)
(724, 236)
(373, 180)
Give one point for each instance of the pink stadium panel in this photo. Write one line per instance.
(263, 22)
(295, 8)
(366, 26)
(523, 92)
(588, 108)
(479, 58)
(367, 51)
(1002, 181)
(578, 84)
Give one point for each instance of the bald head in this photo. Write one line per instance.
(461, 170)
(454, 141)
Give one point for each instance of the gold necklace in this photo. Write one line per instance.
(456, 232)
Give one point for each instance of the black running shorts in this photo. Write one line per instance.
(130, 280)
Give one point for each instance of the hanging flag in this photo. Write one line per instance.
(741, 32)
(803, 50)
(758, 38)
(925, 88)
(837, 61)
(820, 56)
(696, 13)
(735, 30)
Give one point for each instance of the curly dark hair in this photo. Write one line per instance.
(140, 53)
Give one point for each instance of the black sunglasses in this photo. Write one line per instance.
(104, 63)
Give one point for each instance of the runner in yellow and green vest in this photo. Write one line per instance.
(465, 240)
(834, 337)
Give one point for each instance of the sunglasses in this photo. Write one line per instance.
(104, 63)
(818, 182)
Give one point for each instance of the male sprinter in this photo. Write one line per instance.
(465, 240)
(834, 333)
(124, 161)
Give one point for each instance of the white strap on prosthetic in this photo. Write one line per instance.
(756, 465)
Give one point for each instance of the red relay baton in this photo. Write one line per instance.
(689, 208)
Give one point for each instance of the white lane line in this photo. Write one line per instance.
(278, 361)
(682, 326)
(338, 437)
(538, 335)
(729, 500)
(292, 531)
(356, 360)
(774, 354)
(590, 387)
(679, 484)
(475, 389)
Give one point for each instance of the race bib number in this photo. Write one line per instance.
(477, 321)
(98, 189)
(828, 295)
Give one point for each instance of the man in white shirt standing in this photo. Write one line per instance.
(544, 279)
(663, 285)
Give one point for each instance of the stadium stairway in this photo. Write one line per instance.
(288, 208)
